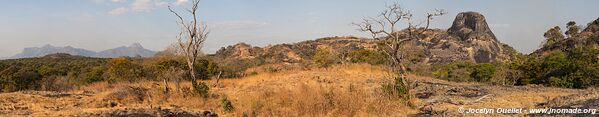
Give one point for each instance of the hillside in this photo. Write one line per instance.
(323, 92)
(468, 39)
(587, 38)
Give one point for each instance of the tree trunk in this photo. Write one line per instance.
(217, 79)
(192, 70)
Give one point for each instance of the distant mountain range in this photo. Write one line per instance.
(133, 50)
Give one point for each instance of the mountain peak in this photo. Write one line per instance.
(471, 25)
(47, 46)
(136, 45)
(133, 50)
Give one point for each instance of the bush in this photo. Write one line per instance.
(226, 104)
(200, 88)
(2, 66)
(506, 76)
(22, 79)
(206, 69)
(367, 56)
(457, 71)
(124, 69)
(559, 82)
(94, 75)
(460, 75)
(575, 68)
(323, 58)
(483, 72)
(399, 87)
(168, 64)
(56, 83)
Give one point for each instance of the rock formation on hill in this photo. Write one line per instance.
(294, 53)
(592, 27)
(468, 39)
(471, 26)
(477, 38)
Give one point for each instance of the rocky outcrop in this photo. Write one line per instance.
(592, 27)
(293, 53)
(471, 26)
(475, 35)
(468, 39)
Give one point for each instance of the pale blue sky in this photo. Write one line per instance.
(104, 24)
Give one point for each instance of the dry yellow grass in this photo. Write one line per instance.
(340, 90)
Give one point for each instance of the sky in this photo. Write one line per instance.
(103, 24)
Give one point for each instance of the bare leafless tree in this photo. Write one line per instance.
(192, 36)
(386, 27)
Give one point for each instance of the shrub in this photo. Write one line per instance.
(323, 58)
(206, 69)
(457, 71)
(506, 76)
(94, 75)
(460, 75)
(22, 79)
(226, 104)
(483, 72)
(168, 64)
(200, 88)
(2, 66)
(559, 82)
(399, 87)
(575, 68)
(441, 74)
(124, 69)
(366, 56)
(56, 83)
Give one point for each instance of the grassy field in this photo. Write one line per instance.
(340, 90)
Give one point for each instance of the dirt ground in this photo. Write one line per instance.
(342, 90)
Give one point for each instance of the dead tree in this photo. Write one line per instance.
(192, 36)
(386, 29)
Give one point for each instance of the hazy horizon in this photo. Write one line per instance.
(103, 24)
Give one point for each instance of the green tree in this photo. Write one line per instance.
(124, 69)
(2, 66)
(553, 35)
(206, 69)
(483, 72)
(95, 74)
(22, 79)
(169, 64)
(573, 29)
(457, 71)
